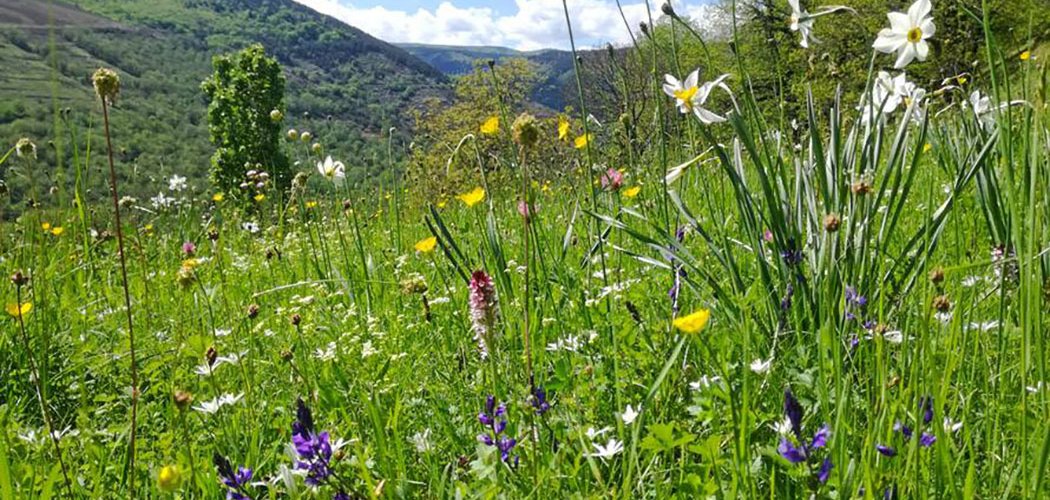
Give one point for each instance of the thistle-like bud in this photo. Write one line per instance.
(182, 399)
(293, 135)
(296, 319)
(832, 223)
(942, 304)
(25, 148)
(287, 355)
(316, 148)
(860, 188)
(276, 115)
(306, 136)
(484, 310)
(107, 84)
(937, 275)
(525, 130)
(213, 234)
(253, 311)
(19, 279)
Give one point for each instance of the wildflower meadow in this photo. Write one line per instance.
(720, 290)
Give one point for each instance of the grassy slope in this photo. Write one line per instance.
(344, 85)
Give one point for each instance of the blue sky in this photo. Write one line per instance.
(519, 24)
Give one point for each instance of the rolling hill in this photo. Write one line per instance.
(555, 66)
(342, 84)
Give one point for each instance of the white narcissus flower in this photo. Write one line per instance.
(332, 170)
(691, 97)
(883, 98)
(801, 22)
(761, 366)
(907, 34)
(611, 449)
(982, 109)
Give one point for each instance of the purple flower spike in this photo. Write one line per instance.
(790, 452)
(886, 450)
(825, 470)
(926, 404)
(927, 439)
(539, 401)
(793, 410)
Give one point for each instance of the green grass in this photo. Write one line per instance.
(330, 303)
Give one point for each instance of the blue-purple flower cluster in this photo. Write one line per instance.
(494, 418)
(236, 482)
(926, 438)
(314, 449)
(801, 450)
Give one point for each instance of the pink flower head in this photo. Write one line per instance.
(612, 179)
(526, 210)
(768, 236)
(484, 310)
(189, 248)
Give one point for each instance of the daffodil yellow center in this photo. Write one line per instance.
(686, 95)
(915, 34)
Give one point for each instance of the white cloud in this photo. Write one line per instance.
(535, 24)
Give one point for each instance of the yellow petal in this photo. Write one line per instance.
(426, 245)
(693, 323)
(46, 226)
(260, 197)
(563, 128)
(57, 230)
(582, 141)
(15, 310)
(217, 197)
(1026, 55)
(633, 191)
(472, 198)
(491, 126)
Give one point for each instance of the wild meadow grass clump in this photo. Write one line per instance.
(850, 303)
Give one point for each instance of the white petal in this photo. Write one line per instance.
(922, 49)
(706, 116)
(889, 41)
(670, 89)
(906, 55)
(671, 80)
(794, 7)
(919, 10)
(692, 80)
(900, 23)
(928, 28)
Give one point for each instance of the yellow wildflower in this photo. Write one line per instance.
(632, 191)
(169, 478)
(57, 230)
(260, 197)
(311, 204)
(926, 148)
(491, 126)
(426, 245)
(16, 310)
(217, 197)
(1026, 55)
(442, 203)
(46, 226)
(563, 128)
(582, 141)
(693, 323)
(472, 198)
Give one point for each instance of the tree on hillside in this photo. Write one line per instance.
(244, 120)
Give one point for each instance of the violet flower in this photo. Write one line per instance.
(314, 449)
(494, 418)
(803, 451)
(539, 401)
(236, 482)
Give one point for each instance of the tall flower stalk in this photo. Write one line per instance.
(107, 86)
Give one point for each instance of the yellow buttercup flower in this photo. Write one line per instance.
(169, 478)
(563, 128)
(442, 203)
(582, 141)
(926, 148)
(693, 323)
(1026, 55)
(46, 226)
(491, 126)
(260, 197)
(472, 198)
(633, 191)
(217, 197)
(16, 310)
(57, 230)
(311, 204)
(426, 245)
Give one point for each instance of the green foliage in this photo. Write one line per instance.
(244, 119)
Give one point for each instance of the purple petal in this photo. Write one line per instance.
(793, 410)
(825, 470)
(820, 439)
(886, 450)
(791, 453)
(927, 439)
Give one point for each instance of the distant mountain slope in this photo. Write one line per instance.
(556, 65)
(343, 84)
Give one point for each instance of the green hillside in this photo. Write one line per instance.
(344, 85)
(555, 66)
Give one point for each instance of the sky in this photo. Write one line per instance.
(518, 24)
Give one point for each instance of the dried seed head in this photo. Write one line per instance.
(296, 319)
(937, 276)
(19, 279)
(942, 304)
(182, 399)
(253, 311)
(860, 188)
(107, 84)
(832, 223)
(525, 130)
